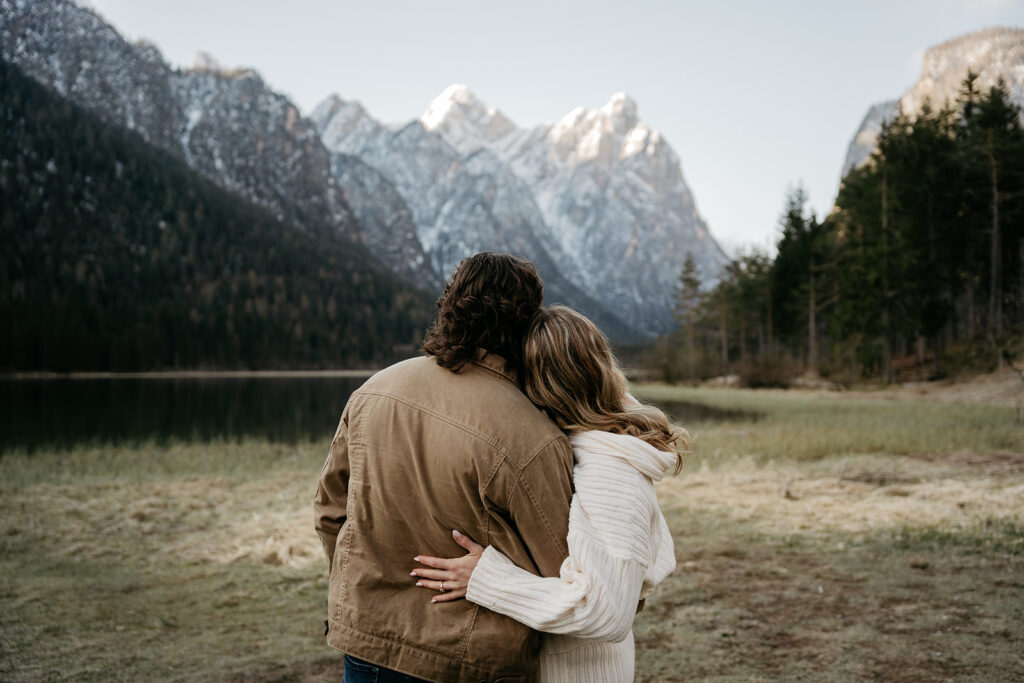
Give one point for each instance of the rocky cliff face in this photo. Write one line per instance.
(614, 200)
(865, 141)
(459, 203)
(598, 199)
(993, 54)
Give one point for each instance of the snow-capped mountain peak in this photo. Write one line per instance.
(610, 132)
(597, 200)
(455, 97)
(466, 122)
(620, 112)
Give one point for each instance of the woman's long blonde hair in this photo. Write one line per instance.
(573, 376)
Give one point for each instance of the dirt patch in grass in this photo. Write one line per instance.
(852, 568)
(745, 606)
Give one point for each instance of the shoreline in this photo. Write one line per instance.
(193, 374)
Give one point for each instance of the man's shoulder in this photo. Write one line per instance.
(474, 398)
(402, 369)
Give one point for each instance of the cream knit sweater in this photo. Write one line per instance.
(619, 549)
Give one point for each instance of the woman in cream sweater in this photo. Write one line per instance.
(619, 544)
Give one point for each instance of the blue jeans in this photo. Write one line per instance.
(358, 671)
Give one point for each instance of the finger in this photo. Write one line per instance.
(449, 596)
(436, 562)
(436, 574)
(436, 585)
(467, 542)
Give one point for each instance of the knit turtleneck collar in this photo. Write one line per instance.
(647, 459)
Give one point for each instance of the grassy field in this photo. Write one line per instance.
(843, 538)
(818, 537)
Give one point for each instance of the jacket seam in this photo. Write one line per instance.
(519, 472)
(486, 484)
(521, 484)
(476, 610)
(490, 441)
(547, 443)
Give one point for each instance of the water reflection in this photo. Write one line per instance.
(63, 413)
(689, 412)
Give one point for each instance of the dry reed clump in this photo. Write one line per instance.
(857, 494)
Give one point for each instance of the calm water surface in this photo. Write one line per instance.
(66, 412)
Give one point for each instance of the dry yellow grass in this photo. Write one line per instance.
(834, 537)
(857, 494)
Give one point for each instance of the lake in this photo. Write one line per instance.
(48, 413)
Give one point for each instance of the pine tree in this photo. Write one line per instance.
(688, 301)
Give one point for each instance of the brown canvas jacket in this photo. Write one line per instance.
(420, 451)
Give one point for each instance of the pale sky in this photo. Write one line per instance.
(754, 96)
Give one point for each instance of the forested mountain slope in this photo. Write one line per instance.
(118, 256)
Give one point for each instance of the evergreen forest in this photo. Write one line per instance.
(117, 256)
(915, 274)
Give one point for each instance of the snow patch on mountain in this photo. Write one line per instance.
(464, 120)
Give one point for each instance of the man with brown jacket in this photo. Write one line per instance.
(441, 442)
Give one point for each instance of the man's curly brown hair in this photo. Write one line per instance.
(488, 303)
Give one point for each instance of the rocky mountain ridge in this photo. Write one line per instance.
(227, 124)
(599, 195)
(597, 201)
(993, 54)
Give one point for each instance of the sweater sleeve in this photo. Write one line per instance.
(595, 595)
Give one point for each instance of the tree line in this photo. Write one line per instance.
(117, 256)
(916, 272)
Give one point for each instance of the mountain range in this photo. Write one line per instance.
(597, 200)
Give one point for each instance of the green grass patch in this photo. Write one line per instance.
(987, 537)
(795, 426)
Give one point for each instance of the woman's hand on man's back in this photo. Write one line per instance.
(450, 577)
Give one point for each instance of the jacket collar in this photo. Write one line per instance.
(494, 363)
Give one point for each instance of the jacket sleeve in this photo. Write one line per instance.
(539, 505)
(332, 492)
(595, 595)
